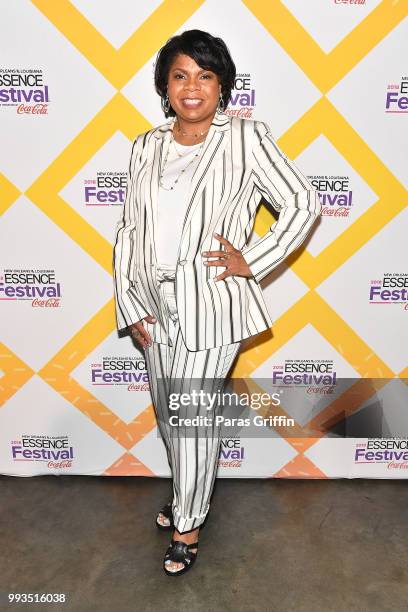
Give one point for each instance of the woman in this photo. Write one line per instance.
(186, 283)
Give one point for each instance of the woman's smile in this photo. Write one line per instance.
(191, 102)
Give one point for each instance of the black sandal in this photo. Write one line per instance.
(180, 552)
(167, 513)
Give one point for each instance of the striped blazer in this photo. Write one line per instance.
(240, 163)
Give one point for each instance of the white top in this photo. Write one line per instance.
(172, 204)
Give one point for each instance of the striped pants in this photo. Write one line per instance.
(173, 370)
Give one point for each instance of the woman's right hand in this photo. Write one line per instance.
(140, 334)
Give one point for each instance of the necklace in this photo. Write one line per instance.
(174, 143)
(183, 169)
(180, 173)
(180, 131)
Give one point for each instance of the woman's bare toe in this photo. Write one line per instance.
(163, 520)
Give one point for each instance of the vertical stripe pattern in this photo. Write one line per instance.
(240, 163)
(174, 369)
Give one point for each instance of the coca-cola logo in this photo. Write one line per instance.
(35, 109)
(50, 303)
(59, 464)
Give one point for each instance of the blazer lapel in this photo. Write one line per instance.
(151, 188)
(214, 146)
(215, 142)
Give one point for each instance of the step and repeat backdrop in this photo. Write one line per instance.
(76, 87)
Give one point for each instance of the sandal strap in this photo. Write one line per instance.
(167, 511)
(179, 552)
(192, 545)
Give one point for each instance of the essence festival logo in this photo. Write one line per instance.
(108, 189)
(55, 451)
(335, 195)
(396, 100)
(392, 289)
(317, 375)
(39, 287)
(25, 89)
(242, 100)
(231, 453)
(392, 452)
(127, 372)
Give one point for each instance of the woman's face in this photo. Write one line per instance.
(193, 92)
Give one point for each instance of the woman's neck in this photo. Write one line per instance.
(190, 129)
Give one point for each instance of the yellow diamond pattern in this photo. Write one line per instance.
(118, 66)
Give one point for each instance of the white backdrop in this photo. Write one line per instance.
(76, 87)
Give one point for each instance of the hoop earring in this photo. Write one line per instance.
(165, 104)
(220, 104)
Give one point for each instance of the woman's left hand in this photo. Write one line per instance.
(231, 258)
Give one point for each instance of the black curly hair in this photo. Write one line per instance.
(209, 52)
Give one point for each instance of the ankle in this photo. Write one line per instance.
(187, 537)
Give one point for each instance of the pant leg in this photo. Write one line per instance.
(193, 456)
(158, 356)
(155, 357)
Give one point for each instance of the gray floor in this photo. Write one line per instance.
(318, 545)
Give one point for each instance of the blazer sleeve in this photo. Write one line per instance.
(290, 193)
(129, 307)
